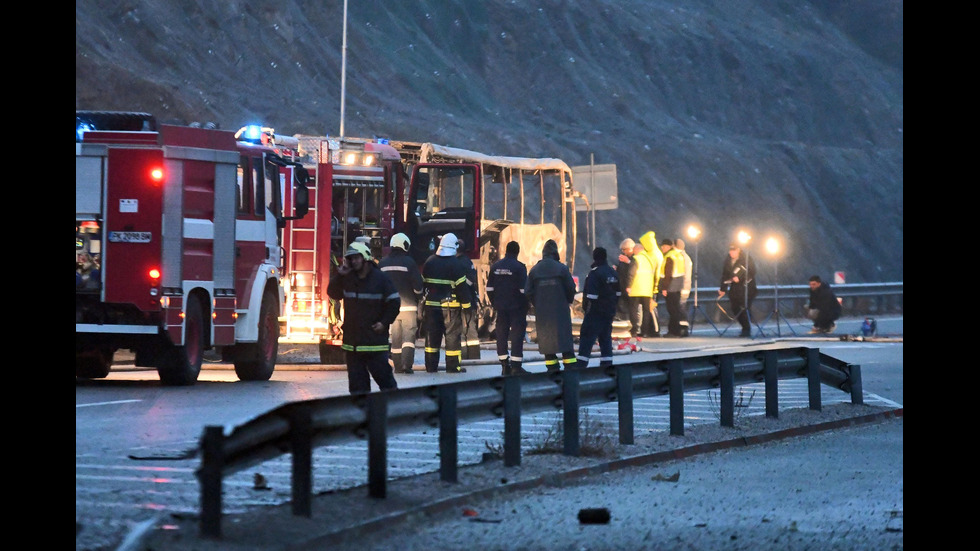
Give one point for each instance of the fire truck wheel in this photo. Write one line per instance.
(94, 363)
(256, 362)
(182, 364)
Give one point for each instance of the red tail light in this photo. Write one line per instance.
(154, 274)
(156, 175)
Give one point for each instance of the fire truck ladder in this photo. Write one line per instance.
(302, 314)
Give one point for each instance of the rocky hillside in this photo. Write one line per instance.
(784, 117)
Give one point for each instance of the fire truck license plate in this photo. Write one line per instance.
(130, 236)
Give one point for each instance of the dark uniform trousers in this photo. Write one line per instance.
(362, 366)
(471, 339)
(443, 321)
(677, 318)
(511, 326)
(596, 328)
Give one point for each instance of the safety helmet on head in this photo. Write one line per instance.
(447, 246)
(401, 241)
(359, 249)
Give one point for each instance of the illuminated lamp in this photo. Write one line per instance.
(156, 174)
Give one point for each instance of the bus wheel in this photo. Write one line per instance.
(182, 364)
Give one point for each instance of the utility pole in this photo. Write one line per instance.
(343, 72)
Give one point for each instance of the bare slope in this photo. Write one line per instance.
(783, 116)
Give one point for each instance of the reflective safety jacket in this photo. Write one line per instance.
(647, 280)
(366, 301)
(672, 275)
(444, 279)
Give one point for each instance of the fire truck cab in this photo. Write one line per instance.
(178, 245)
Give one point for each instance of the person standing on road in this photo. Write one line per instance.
(600, 298)
(671, 284)
(736, 272)
(551, 290)
(371, 305)
(505, 290)
(446, 295)
(401, 268)
(643, 288)
(470, 338)
(824, 308)
(625, 268)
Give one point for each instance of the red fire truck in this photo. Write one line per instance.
(372, 189)
(357, 188)
(177, 245)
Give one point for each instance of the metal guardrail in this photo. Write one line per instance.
(299, 427)
(857, 299)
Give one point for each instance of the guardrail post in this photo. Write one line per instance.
(857, 392)
(448, 439)
(624, 394)
(726, 378)
(301, 445)
(675, 377)
(512, 421)
(377, 413)
(813, 378)
(212, 465)
(569, 394)
(770, 373)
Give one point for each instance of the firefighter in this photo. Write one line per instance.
(446, 295)
(600, 298)
(371, 305)
(551, 290)
(470, 338)
(505, 290)
(401, 268)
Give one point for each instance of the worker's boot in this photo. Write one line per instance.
(453, 363)
(504, 368)
(516, 368)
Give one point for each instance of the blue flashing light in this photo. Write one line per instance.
(253, 133)
(383, 140)
(81, 129)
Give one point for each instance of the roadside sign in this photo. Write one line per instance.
(839, 278)
(598, 184)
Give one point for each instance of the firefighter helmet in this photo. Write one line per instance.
(447, 245)
(401, 241)
(359, 249)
